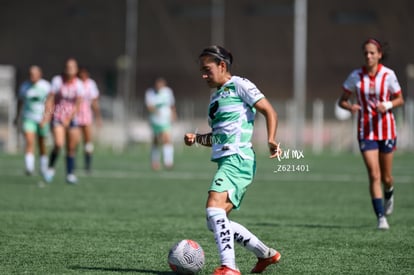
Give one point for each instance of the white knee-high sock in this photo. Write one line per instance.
(223, 234)
(44, 162)
(168, 154)
(29, 161)
(248, 240)
(155, 155)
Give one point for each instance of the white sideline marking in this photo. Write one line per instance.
(207, 176)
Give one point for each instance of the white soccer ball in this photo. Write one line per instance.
(340, 113)
(186, 257)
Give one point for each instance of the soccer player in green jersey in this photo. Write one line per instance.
(231, 116)
(160, 103)
(31, 102)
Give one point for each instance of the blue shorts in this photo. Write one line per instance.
(72, 124)
(384, 146)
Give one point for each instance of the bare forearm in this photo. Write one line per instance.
(76, 109)
(96, 109)
(267, 110)
(49, 108)
(397, 101)
(345, 103)
(271, 125)
(19, 108)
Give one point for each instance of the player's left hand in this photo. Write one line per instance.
(189, 139)
(381, 108)
(66, 122)
(274, 149)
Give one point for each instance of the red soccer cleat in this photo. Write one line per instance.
(262, 263)
(224, 270)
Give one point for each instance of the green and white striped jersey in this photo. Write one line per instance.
(231, 117)
(34, 96)
(162, 100)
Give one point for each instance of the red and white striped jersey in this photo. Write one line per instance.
(370, 91)
(66, 94)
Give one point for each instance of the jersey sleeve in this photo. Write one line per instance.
(23, 90)
(171, 95)
(394, 85)
(350, 83)
(248, 92)
(94, 89)
(46, 86)
(149, 101)
(56, 84)
(80, 91)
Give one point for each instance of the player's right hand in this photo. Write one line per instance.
(189, 139)
(274, 149)
(355, 108)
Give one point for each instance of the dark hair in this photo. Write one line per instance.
(220, 54)
(83, 68)
(381, 46)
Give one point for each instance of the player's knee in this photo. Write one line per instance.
(89, 147)
(374, 176)
(387, 179)
(57, 148)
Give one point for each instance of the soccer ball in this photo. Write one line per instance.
(186, 257)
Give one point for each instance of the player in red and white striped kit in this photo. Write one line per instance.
(62, 105)
(377, 92)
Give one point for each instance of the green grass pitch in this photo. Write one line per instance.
(123, 218)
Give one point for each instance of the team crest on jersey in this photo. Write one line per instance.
(225, 93)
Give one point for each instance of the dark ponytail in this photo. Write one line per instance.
(219, 54)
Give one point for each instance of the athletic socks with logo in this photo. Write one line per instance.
(226, 232)
(223, 234)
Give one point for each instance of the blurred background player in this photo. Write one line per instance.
(31, 98)
(231, 117)
(89, 108)
(377, 91)
(64, 101)
(160, 103)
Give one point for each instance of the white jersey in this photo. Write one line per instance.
(34, 96)
(162, 101)
(231, 117)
